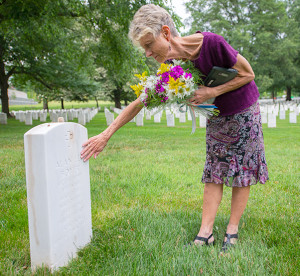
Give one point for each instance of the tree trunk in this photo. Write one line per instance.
(126, 101)
(4, 88)
(62, 103)
(117, 98)
(288, 93)
(45, 104)
(96, 101)
(4, 98)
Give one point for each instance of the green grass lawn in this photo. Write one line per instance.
(146, 205)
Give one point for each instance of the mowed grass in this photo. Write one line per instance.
(147, 197)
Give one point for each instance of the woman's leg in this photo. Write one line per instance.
(211, 200)
(238, 204)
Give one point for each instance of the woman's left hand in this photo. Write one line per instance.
(202, 94)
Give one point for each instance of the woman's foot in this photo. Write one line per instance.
(204, 240)
(229, 241)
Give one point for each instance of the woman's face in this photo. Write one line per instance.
(158, 47)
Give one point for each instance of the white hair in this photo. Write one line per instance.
(150, 19)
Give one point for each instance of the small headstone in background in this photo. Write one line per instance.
(58, 193)
(264, 117)
(109, 118)
(81, 118)
(170, 120)
(202, 121)
(118, 110)
(35, 115)
(64, 114)
(157, 118)
(54, 117)
(189, 115)
(87, 116)
(293, 117)
(148, 115)
(43, 116)
(182, 117)
(271, 120)
(70, 115)
(282, 114)
(139, 118)
(22, 116)
(28, 118)
(3, 118)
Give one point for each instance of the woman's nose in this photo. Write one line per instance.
(148, 53)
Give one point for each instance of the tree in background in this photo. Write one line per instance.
(60, 44)
(262, 31)
(43, 40)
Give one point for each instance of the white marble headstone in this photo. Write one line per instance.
(109, 118)
(202, 121)
(170, 119)
(43, 116)
(28, 118)
(22, 116)
(157, 117)
(264, 117)
(148, 115)
(139, 118)
(182, 117)
(35, 115)
(81, 118)
(54, 117)
(3, 118)
(282, 114)
(293, 117)
(58, 193)
(271, 120)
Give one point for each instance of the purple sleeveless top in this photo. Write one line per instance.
(215, 51)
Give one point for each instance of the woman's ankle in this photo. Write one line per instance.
(232, 228)
(205, 231)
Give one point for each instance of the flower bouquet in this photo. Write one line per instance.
(173, 84)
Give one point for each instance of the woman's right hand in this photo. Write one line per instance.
(93, 146)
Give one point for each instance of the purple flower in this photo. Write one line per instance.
(176, 72)
(159, 88)
(165, 77)
(188, 75)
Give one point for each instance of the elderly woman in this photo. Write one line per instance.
(234, 139)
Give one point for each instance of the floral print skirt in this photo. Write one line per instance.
(235, 154)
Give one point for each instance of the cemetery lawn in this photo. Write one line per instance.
(146, 196)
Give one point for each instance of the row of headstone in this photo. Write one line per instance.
(109, 116)
(84, 115)
(171, 114)
(270, 112)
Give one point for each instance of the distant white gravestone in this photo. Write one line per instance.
(58, 193)
(3, 118)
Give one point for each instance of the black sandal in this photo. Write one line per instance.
(228, 244)
(197, 238)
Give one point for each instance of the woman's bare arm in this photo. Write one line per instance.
(97, 143)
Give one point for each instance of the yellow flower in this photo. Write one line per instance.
(163, 68)
(137, 89)
(141, 77)
(175, 84)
